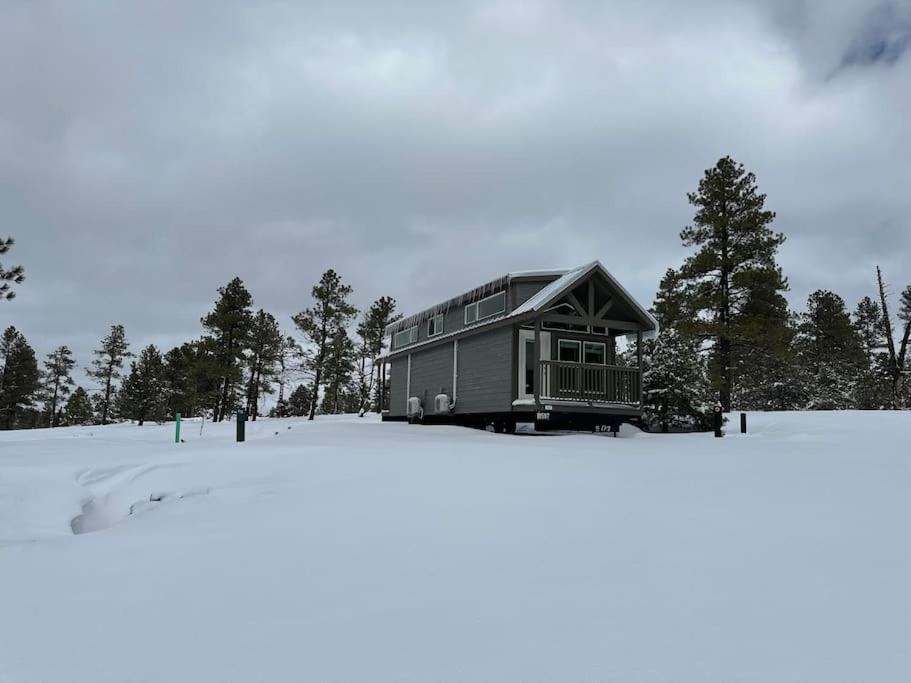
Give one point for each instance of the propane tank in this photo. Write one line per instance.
(441, 404)
(415, 410)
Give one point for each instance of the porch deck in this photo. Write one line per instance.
(590, 384)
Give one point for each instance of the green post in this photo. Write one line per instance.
(177, 428)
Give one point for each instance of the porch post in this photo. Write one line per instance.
(540, 368)
(639, 363)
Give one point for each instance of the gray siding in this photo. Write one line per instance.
(523, 291)
(398, 367)
(431, 370)
(486, 377)
(485, 372)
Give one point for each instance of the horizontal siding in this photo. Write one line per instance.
(398, 368)
(431, 371)
(485, 372)
(523, 291)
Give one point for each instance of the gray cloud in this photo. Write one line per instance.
(151, 151)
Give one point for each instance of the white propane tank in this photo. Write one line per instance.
(441, 404)
(414, 408)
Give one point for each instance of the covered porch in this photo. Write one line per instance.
(567, 353)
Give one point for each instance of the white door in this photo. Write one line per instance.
(527, 365)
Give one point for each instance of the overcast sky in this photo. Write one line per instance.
(150, 151)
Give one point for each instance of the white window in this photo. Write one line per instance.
(569, 350)
(485, 308)
(594, 352)
(405, 337)
(435, 326)
(492, 305)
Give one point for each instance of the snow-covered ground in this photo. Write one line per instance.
(351, 550)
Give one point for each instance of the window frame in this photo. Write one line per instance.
(412, 337)
(472, 306)
(603, 346)
(437, 322)
(487, 298)
(578, 345)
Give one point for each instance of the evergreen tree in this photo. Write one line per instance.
(179, 380)
(228, 328)
(676, 387)
(339, 396)
(331, 312)
(371, 332)
(78, 409)
(266, 350)
(299, 402)
(20, 378)
(288, 366)
(830, 352)
(57, 382)
(14, 275)
(896, 360)
(107, 365)
(731, 287)
(142, 395)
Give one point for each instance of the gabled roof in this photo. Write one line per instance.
(564, 282)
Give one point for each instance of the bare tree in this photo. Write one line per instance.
(896, 356)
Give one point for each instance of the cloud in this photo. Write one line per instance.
(151, 151)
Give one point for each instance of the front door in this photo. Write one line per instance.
(527, 363)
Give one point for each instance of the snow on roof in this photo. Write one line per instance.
(565, 281)
(548, 292)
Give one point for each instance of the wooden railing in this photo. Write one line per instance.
(587, 382)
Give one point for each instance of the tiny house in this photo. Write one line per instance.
(532, 346)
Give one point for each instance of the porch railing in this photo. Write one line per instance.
(569, 381)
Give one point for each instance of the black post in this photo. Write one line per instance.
(719, 421)
(743, 423)
(241, 423)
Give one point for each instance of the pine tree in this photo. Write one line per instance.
(676, 386)
(830, 352)
(15, 275)
(179, 380)
(371, 341)
(731, 287)
(288, 366)
(299, 402)
(896, 360)
(339, 396)
(266, 350)
(142, 395)
(78, 409)
(20, 378)
(57, 382)
(228, 328)
(331, 312)
(107, 366)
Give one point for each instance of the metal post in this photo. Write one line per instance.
(719, 421)
(241, 424)
(177, 428)
(743, 423)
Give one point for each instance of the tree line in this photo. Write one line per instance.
(241, 358)
(727, 335)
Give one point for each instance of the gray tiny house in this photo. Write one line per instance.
(533, 346)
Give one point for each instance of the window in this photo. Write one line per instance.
(492, 305)
(569, 350)
(485, 308)
(594, 352)
(435, 325)
(405, 337)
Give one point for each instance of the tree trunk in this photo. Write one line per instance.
(107, 396)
